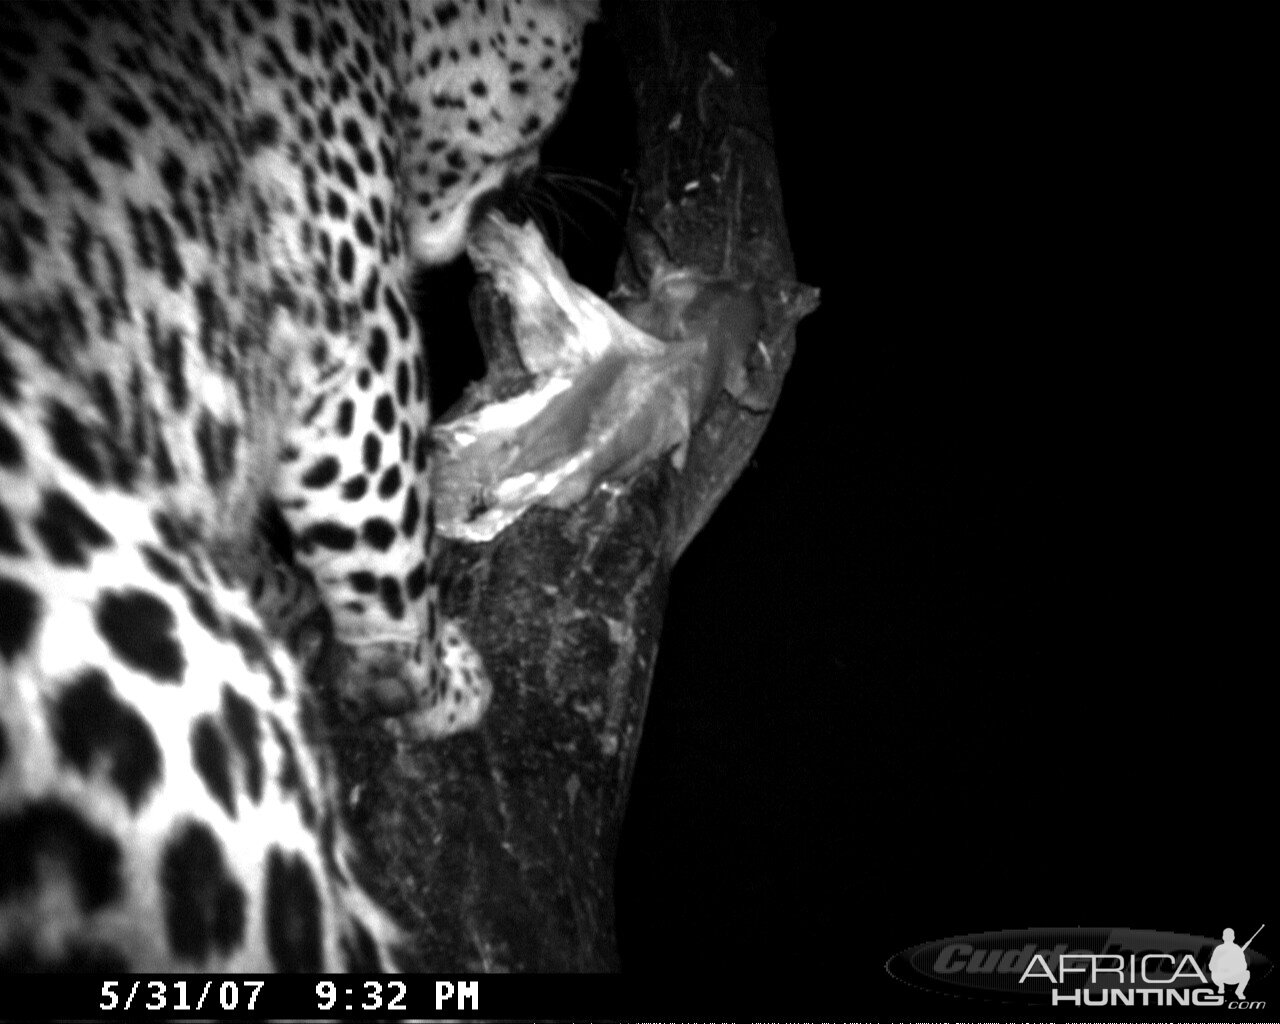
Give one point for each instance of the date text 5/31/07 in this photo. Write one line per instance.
(178, 995)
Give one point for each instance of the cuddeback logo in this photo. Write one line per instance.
(1081, 967)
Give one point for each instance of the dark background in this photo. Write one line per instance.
(973, 643)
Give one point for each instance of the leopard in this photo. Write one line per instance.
(211, 212)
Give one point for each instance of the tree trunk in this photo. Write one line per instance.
(496, 848)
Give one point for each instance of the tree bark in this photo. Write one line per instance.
(496, 848)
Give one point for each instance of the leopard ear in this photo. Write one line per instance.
(583, 12)
(578, 13)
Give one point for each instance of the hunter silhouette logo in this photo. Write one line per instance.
(1227, 965)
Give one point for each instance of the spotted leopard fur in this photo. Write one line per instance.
(207, 214)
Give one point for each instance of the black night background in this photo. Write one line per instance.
(963, 649)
